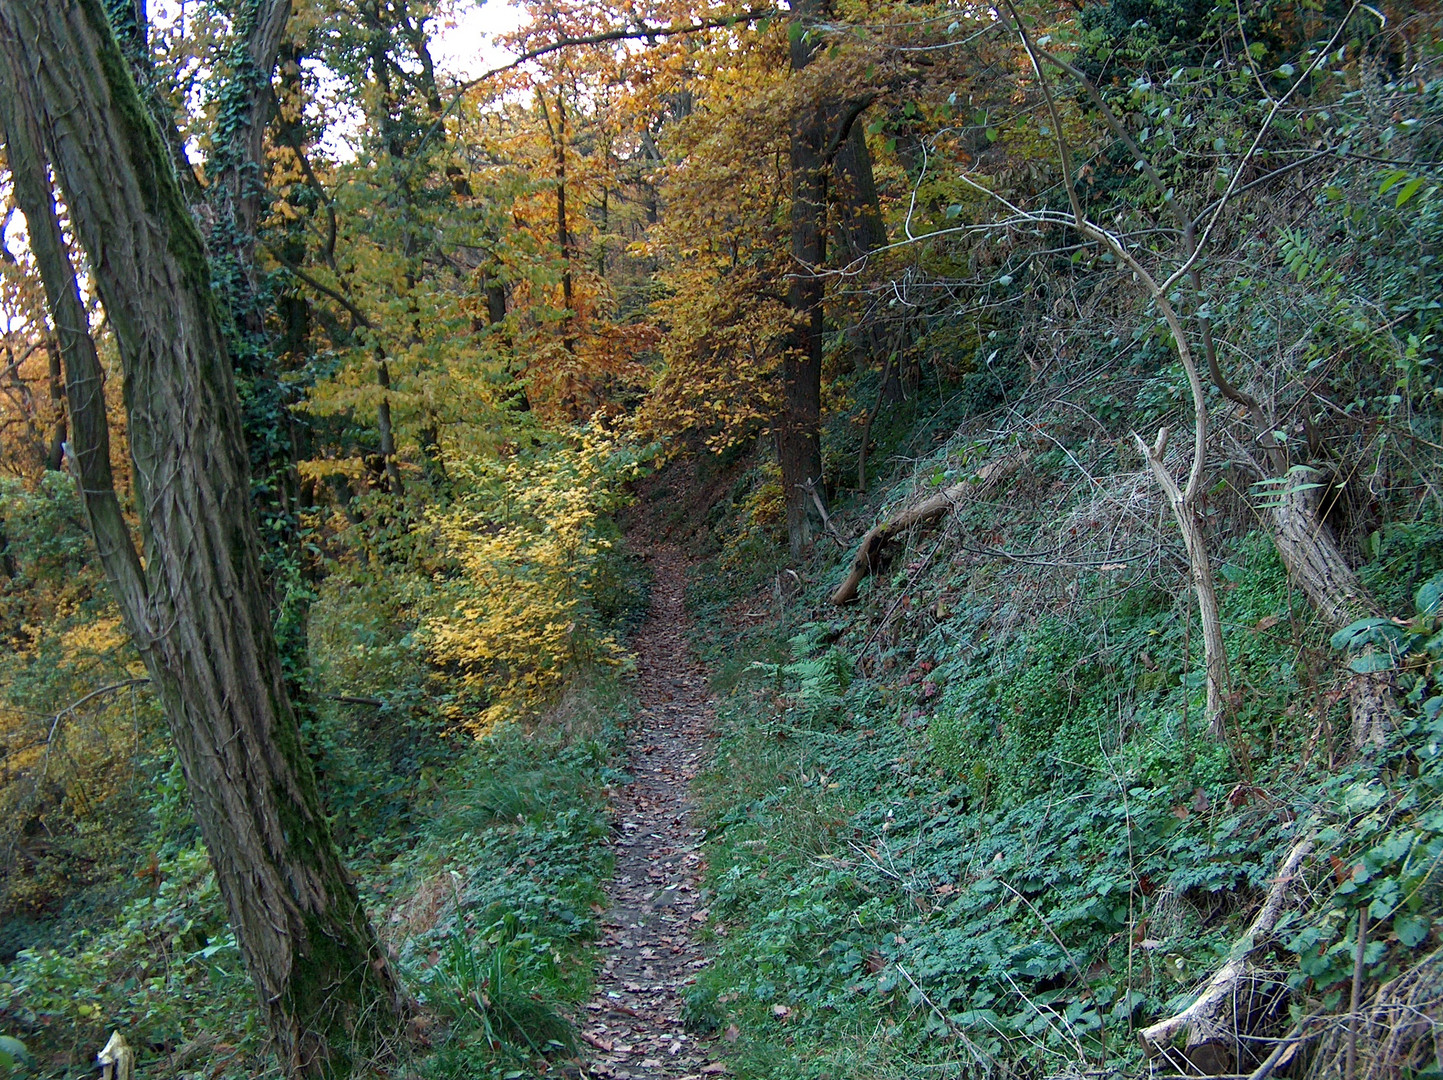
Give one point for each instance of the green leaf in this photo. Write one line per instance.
(1367, 663)
(1344, 637)
(12, 1052)
(1409, 190)
(1429, 596)
(1392, 180)
(992, 134)
(1412, 930)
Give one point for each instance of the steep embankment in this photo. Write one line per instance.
(634, 1021)
(976, 824)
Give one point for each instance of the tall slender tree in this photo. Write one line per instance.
(192, 594)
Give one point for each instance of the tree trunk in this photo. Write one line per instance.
(1311, 554)
(495, 302)
(563, 232)
(195, 606)
(383, 426)
(1183, 503)
(862, 231)
(55, 453)
(799, 450)
(860, 211)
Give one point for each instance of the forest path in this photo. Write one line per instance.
(633, 1022)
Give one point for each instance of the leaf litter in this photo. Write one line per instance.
(634, 1022)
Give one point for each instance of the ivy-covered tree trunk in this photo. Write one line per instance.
(194, 605)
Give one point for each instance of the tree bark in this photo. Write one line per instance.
(862, 231)
(868, 558)
(798, 435)
(383, 426)
(55, 452)
(860, 211)
(1310, 552)
(1183, 503)
(195, 606)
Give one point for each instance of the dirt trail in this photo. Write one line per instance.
(633, 1024)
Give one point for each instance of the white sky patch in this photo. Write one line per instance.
(464, 45)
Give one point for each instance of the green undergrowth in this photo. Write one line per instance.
(507, 887)
(488, 912)
(480, 858)
(996, 838)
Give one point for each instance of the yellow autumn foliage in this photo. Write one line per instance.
(513, 608)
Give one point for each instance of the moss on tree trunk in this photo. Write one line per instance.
(194, 605)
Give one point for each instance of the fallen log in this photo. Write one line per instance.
(1213, 1039)
(869, 554)
(1314, 560)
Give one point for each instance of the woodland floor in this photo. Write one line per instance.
(633, 1024)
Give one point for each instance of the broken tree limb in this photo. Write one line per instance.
(1210, 1021)
(116, 1059)
(1311, 553)
(869, 553)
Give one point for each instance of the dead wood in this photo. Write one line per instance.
(869, 553)
(1399, 1032)
(1313, 558)
(1212, 1022)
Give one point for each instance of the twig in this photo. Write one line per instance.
(70, 709)
(1286, 1043)
(946, 1022)
(1350, 1069)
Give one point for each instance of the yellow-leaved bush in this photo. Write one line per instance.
(522, 554)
